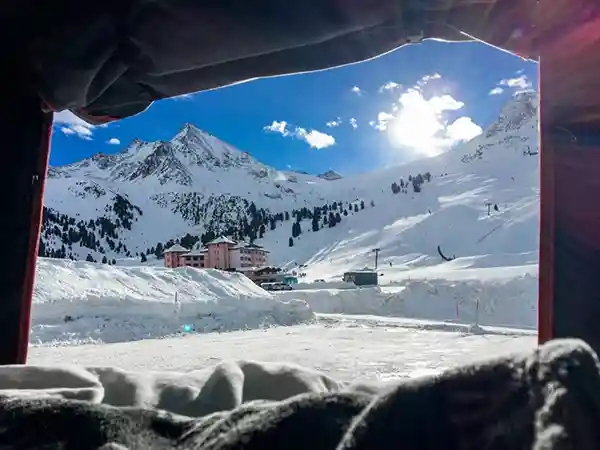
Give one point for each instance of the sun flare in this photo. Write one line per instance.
(419, 124)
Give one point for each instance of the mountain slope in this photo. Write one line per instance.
(152, 192)
(500, 168)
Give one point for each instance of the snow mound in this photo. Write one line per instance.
(499, 302)
(85, 302)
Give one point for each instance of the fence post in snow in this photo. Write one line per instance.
(477, 311)
(177, 304)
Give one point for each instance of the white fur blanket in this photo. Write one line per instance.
(546, 399)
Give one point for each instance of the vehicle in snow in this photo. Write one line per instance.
(276, 286)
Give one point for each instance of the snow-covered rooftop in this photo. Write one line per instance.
(240, 245)
(196, 252)
(176, 248)
(221, 240)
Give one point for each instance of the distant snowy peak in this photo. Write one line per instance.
(200, 148)
(330, 175)
(175, 160)
(520, 110)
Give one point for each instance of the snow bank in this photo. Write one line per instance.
(77, 300)
(502, 302)
(318, 285)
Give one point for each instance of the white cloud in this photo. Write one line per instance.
(113, 141)
(383, 119)
(427, 78)
(70, 124)
(419, 123)
(353, 123)
(444, 103)
(314, 138)
(521, 83)
(278, 127)
(357, 90)
(334, 123)
(463, 129)
(389, 86)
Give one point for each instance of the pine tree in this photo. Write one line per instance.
(362, 204)
(159, 250)
(315, 222)
(291, 242)
(143, 257)
(89, 258)
(331, 219)
(114, 261)
(416, 185)
(104, 259)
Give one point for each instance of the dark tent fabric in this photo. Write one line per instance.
(120, 55)
(546, 399)
(112, 58)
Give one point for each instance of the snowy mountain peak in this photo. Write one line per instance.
(178, 160)
(188, 130)
(522, 107)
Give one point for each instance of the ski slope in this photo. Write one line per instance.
(451, 211)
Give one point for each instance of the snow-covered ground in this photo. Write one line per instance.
(77, 302)
(363, 348)
(510, 302)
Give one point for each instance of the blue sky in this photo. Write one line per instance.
(417, 101)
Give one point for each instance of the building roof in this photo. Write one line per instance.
(256, 268)
(221, 240)
(196, 252)
(256, 246)
(240, 245)
(361, 271)
(176, 248)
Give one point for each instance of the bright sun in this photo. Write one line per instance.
(418, 124)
